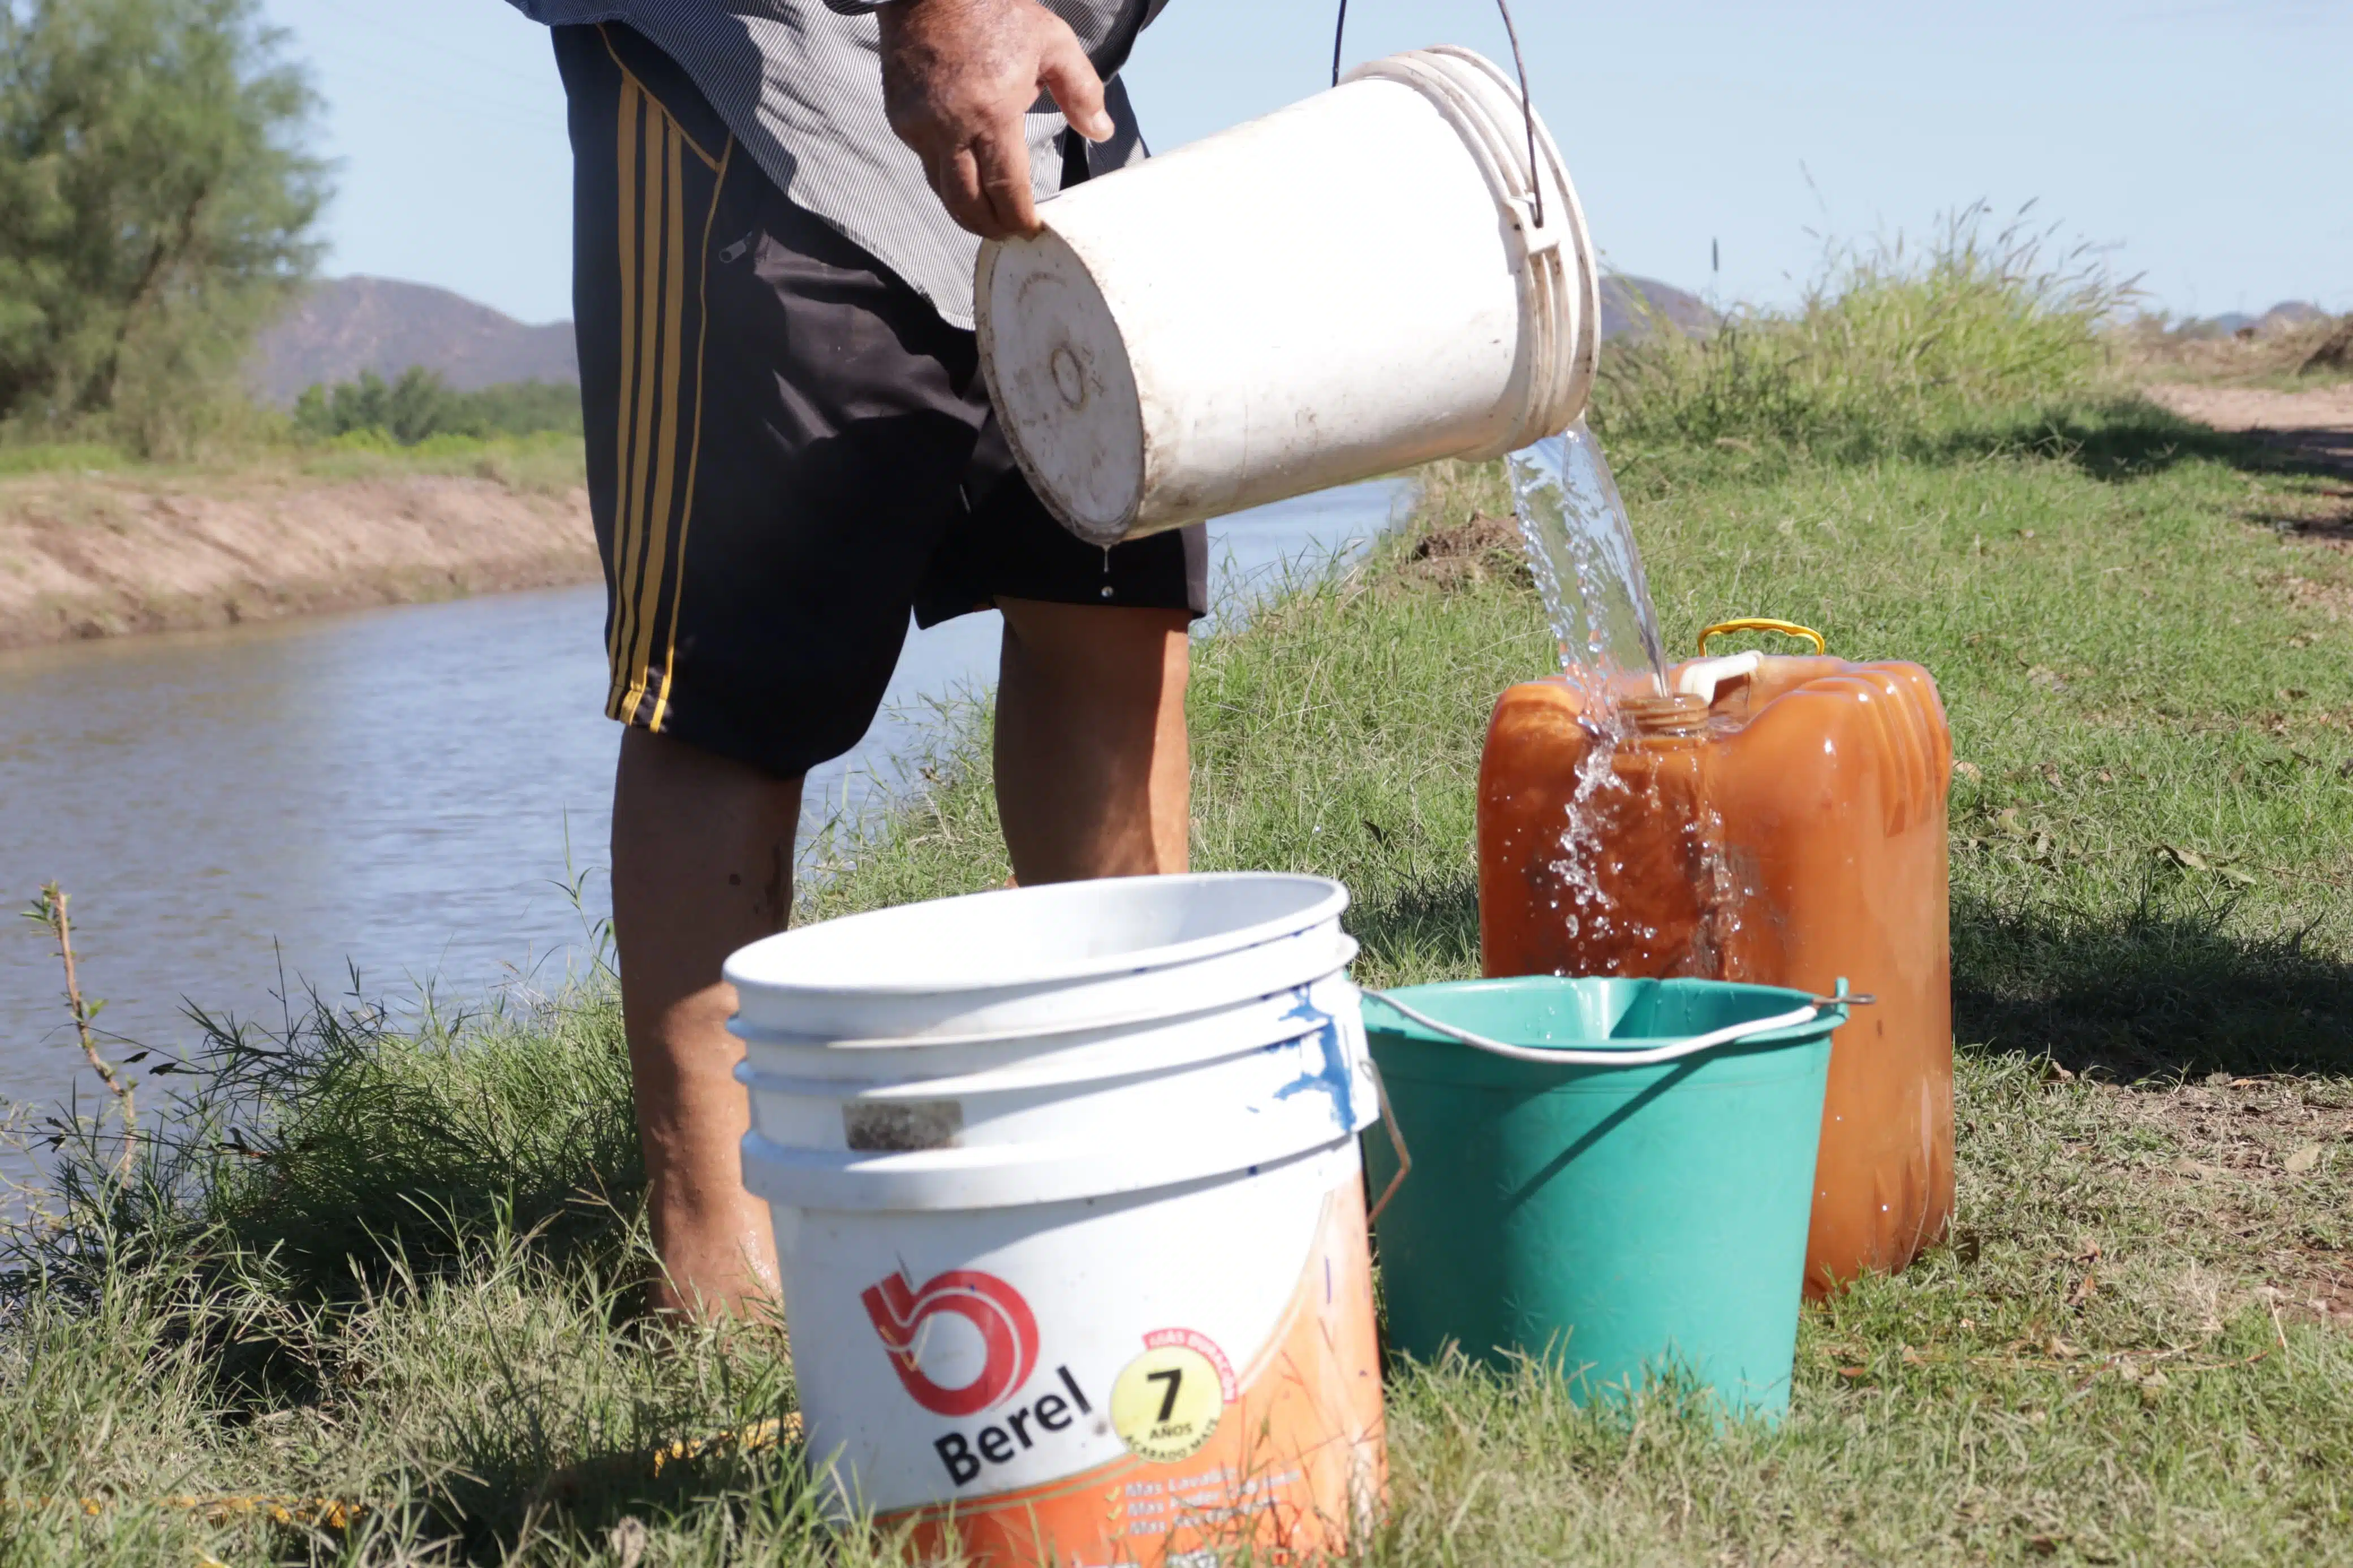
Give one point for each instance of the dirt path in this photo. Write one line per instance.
(95, 556)
(2316, 425)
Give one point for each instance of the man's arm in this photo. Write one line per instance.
(958, 75)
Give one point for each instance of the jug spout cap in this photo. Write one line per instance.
(1701, 676)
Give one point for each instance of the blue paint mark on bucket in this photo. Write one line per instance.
(1333, 1078)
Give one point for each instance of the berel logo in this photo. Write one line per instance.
(1009, 1334)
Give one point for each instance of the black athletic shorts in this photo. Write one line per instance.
(788, 449)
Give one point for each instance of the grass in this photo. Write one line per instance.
(416, 1289)
(525, 435)
(550, 460)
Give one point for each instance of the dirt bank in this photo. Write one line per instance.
(84, 556)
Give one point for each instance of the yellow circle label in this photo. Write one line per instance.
(1166, 1402)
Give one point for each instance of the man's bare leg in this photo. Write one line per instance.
(1093, 780)
(702, 863)
(1093, 774)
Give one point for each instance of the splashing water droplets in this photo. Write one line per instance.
(1640, 879)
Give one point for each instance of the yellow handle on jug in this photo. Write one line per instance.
(1763, 624)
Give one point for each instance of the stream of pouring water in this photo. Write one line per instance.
(1582, 549)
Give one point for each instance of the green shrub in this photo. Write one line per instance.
(421, 406)
(1889, 347)
(519, 408)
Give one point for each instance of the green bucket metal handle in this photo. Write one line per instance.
(1549, 1057)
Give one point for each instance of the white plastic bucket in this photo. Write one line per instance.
(1070, 1216)
(1340, 289)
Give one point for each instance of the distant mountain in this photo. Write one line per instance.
(341, 326)
(1629, 304)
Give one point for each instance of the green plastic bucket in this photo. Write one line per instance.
(1625, 1196)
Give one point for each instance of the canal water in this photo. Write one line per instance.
(402, 793)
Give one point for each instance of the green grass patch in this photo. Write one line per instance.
(59, 457)
(524, 435)
(548, 461)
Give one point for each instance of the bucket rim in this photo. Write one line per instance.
(1483, 102)
(742, 967)
(1112, 1023)
(1774, 998)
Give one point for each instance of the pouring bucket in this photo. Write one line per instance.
(1615, 1177)
(1070, 1214)
(1337, 290)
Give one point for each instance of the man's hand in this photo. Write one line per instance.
(957, 75)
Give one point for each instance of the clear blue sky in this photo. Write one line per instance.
(2210, 142)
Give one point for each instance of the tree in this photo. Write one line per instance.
(155, 205)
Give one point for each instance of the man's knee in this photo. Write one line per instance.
(667, 791)
(1136, 652)
(664, 760)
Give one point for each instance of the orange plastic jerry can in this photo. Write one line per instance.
(1787, 828)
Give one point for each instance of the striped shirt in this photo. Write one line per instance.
(799, 82)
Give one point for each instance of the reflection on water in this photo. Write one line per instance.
(392, 790)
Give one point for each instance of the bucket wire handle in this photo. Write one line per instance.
(1396, 1142)
(1547, 1055)
(1527, 104)
(1765, 623)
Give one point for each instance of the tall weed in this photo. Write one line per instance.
(340, 1141)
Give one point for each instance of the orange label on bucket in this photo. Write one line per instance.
(1284, 1457)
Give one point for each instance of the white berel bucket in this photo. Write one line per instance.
(1343, 289)
(1070, 1216)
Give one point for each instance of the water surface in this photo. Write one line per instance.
(401, 789)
